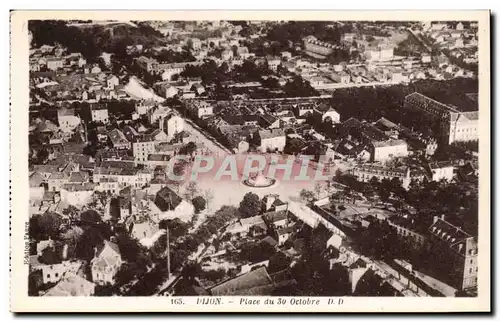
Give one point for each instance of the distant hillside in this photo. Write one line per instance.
(91, 39)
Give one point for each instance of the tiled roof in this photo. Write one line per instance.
(242, 284)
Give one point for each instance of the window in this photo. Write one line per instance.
(48, 275)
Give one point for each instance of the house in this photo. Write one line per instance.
(99, 113)
(102, 134)
(106, 263)
(77, 194)
(195, 43)
(148, 64)
(441, 170)
(141, 229)
(303, 109)
(253, 226)
(327, 114)
(67, 119)
(273, 62)
(72, 285)
(168, 205)
(167, 200)
(276, 219)
(382, 151)
(266, 240)
(174, 125)
(54, 63)
(169, 91)
(56, 180)
(272, 140)
(341, 77)
(198, 89)
(157, 113)
(350, 150)
(55, 272)
(272, 202)
(37, 189)
(142, 107)
(200, 109)
(284, 234)
(118, 139)
(112, 81)
(286, 55)
(425, 58)
(226, 55)
(142, 148)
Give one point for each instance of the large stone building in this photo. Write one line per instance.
(319, 49)
(455, 254)
(364, 173)
(454, 125)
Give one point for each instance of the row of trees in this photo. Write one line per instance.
(372, 103)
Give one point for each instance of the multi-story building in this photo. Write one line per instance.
(318, 48)
(455, 253)
(455, 125)
(364, 173)
(200, 108)
(382, 151)
(99, 114)
(118, 139)
(54, 63)
(148, 64)
(441, 170)
(379, 53)
(106, 263)
(272, 140)
(67, 119)
(407, 230)
(142, 149)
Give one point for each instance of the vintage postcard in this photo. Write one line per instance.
(244, 161)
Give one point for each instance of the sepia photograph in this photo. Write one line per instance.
(249, 162)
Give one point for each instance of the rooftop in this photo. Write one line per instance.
(241, 284)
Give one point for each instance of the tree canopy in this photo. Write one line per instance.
(250, 205)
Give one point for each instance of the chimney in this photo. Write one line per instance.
(95, 252)
(443, 217)
(435, 219)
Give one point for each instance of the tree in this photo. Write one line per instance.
(209, 196)
(90, 217)
(176, 227)
(318, 187)
(71, 238)
(199, 204)
(191, 270)
(306, 195)
(49, 256)
(71, 212)
(45, 226)
(92, 237)
(191, 190)
(278, 262)
(188, 149)
(250, 205)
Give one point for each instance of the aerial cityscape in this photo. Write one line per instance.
(242, 158)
